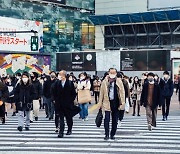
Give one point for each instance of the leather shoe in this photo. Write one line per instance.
(106, 138)
(60, 135)
(27, 128)
(112, 138)
(69, 133)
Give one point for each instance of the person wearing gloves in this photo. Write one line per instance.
(111, 99)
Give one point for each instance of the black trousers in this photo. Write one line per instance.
(96, 96)
(121, 114)
(69, 121)
(134, 107)
(114, 115)
(165, 106)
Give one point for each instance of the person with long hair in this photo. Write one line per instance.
(136, 92)
(83, 84)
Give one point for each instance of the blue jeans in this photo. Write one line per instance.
(50, 107)
(84, 110)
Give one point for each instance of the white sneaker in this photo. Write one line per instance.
(86, 119)
(149, 127)
(119, 123)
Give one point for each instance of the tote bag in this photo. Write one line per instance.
(84, 96)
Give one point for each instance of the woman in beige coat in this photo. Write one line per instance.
(111, 100)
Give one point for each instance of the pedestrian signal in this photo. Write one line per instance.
(34, 43)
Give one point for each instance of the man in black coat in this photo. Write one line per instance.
(167, 89)
(64, 94)
(150, 99)
(47, 94)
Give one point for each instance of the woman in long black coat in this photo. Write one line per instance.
(4, 94)
(24, 94)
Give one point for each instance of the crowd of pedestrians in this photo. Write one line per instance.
(62, 96)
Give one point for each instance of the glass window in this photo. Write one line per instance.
(88, 35)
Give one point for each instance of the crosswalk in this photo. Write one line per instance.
(132, 137)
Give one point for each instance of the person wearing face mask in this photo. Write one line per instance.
(167, 89)
(64, 94)
(111, 100)
(150, 99)
(136, 93)
(38, 90)
(24, 95)
(47, 94)
(96, 86)
(11, 86)
(83, 84)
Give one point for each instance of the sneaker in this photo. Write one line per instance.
(86, 119)
(20, 128)
(149, 127)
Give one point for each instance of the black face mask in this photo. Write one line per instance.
(32, 77)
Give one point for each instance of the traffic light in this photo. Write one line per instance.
(34, 43)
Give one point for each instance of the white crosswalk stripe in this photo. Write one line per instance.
(132, 137)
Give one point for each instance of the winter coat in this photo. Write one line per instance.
(4, 94)
(104, 101)
(156, 96)
(47, 88)
(64, 97)
(24, 96)
(167, 87)
(38, 89)
(96, 85)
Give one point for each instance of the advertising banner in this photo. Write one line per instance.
(19, 41)
(13, 63)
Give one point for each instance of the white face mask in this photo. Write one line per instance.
(112, 76)
(8, 80)
(82, 78)
(25, 80)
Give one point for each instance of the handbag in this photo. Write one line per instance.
(99, 118)
(84, 96)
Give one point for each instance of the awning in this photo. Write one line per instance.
(155, 16)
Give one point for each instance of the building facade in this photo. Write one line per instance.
(137, 24)
(65, 27)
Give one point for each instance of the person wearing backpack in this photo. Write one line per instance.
(167, 89)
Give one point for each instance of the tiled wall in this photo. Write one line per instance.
(50, 15)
